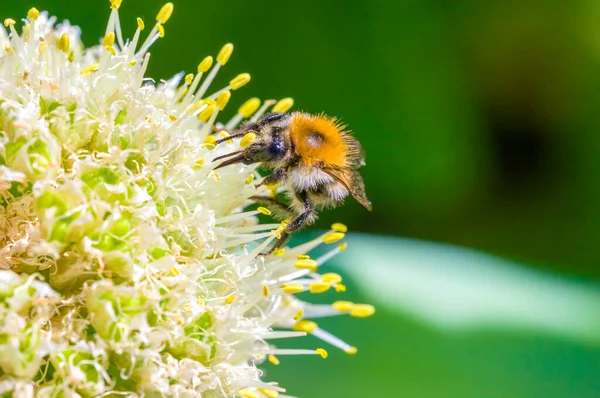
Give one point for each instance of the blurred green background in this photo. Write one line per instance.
(480, 120)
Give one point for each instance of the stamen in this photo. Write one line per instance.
(331, 277)
(306, 264)
(262, 110)
(33, 14)
(333, 237)
(244, 112)
(362, 310)
(264, 210)
(273, 359)
(223, 99)
(319, 287)
(343, 306)
(333, 340)
(283, 105)
(298, 315)
(247, 140)
(247, 394)
(225, 54)
(64, 43)
(339, 227)
(269, 393)
(305, 326)
(165, 13)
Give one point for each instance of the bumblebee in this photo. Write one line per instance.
(312, 157)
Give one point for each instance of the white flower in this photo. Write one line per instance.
(139, 267)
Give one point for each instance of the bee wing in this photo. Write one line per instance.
(356, 154)
(353, 182)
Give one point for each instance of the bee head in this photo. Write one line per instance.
(269, 145)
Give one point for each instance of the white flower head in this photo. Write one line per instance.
(129, 265)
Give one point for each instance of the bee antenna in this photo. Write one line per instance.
(229, 137)
(227, 155)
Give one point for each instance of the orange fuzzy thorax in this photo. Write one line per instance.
(318, 139)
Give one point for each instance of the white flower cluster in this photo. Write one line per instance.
(128, 266)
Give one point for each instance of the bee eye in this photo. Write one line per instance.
(315, 139)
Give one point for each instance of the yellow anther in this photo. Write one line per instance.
(265, 290)
(319, 287)
(291, 288)
(269, 393)
(247, 140)
(279, 252)
(9, 22)
(64, 43)
(33, 13)
(343, 246)
(264, 210)
(306, 264)
(333, 237)
(339, 227)
(161, 29)
(209, 142)
(215, 176)
(210, 101)
(351, 350)
(321, 352)
(340, 288)
(239, 81)
(8, 49)
(223, 99)
(42, 47)
(343, 306)
(303, 257)
(362, 310)
(273, 359)
(249, 179)
(199, 163)
(205, 64)
(109, 39)
(298, 315)
(174, 271)
(189, 78)
(71, 56)
(283, 105)
(331, 277)
(111, 50)
(247, 394)
(225, 53)
(201, 301)
(305, 326)
(230, 299)
(26, 30)
(115, 4)
(172, 118)
(165, 13)
(278, 231)
(132, 63)
(249, 107)
(140, 23)
(207, 113)
(186, 308)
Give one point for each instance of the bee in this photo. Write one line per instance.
(312, 157)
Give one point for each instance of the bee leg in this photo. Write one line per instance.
(276, 177)
(303, 219)
(277, 207)
(280, 242)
